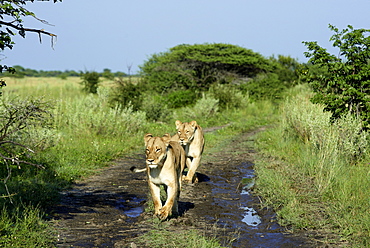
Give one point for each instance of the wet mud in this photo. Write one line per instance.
(107, 210)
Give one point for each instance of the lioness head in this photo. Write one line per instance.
(156, 149)
(185, 131)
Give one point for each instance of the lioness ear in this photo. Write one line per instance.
(193, 123)
(147, 137)
(178, 123)
(166, 138)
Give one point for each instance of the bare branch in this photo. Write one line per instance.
(39, 31)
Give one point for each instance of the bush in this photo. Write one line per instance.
(19, 117)
(228, 96)
(264, 86)
(156, 109)
(205, 107)
(181, 98)
(90, 82)
(309, 122)
(126, 94)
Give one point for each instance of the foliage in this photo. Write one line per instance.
(287, 69)
(180, 98)
(22, 72)
(264, 86)
(90, 81)
(205, 107)
(228, 96)
(126, 94)
(197, 67)
(312, 125)
(156, 109)
(15, 10)
(345, 87)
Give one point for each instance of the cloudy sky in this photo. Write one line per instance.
(93, 35)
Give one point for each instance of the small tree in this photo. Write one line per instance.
(90, 82)
(126, 94)
(344, 86)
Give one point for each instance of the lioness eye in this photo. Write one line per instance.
(158, 150)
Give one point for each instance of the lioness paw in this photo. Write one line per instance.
(164, 213)
(190, 179)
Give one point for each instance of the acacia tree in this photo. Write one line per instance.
(197, 67)
(343, 83)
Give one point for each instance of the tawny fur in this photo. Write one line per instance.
(191, 137)
(165, 161)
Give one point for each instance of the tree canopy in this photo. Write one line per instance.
(343, 83)
(196, 67)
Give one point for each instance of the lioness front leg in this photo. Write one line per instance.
(155, 191)
(192, 167)
(171, 206)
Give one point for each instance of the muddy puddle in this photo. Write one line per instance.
(107, 210)
(239, 211)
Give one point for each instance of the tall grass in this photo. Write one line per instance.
(316, 172)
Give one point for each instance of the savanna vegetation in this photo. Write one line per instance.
(314, 164)
(22, 72)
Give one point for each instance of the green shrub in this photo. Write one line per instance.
(181, 98)
(264, 86)
(315, 171)
(204, 108)
(127, 94)
(312, 124)
(156, 109)
(90, 81)
(228, 96)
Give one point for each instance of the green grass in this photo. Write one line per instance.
(158, 238)
(316, 174)
(24, 228)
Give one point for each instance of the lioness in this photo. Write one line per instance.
(190, 136)
(165, 161)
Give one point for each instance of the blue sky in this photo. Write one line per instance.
(93, 35)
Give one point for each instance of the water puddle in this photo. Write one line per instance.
(134, 212)
(131, 208)
(232, 191)
(251, 217)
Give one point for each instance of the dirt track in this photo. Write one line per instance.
(107, 209)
